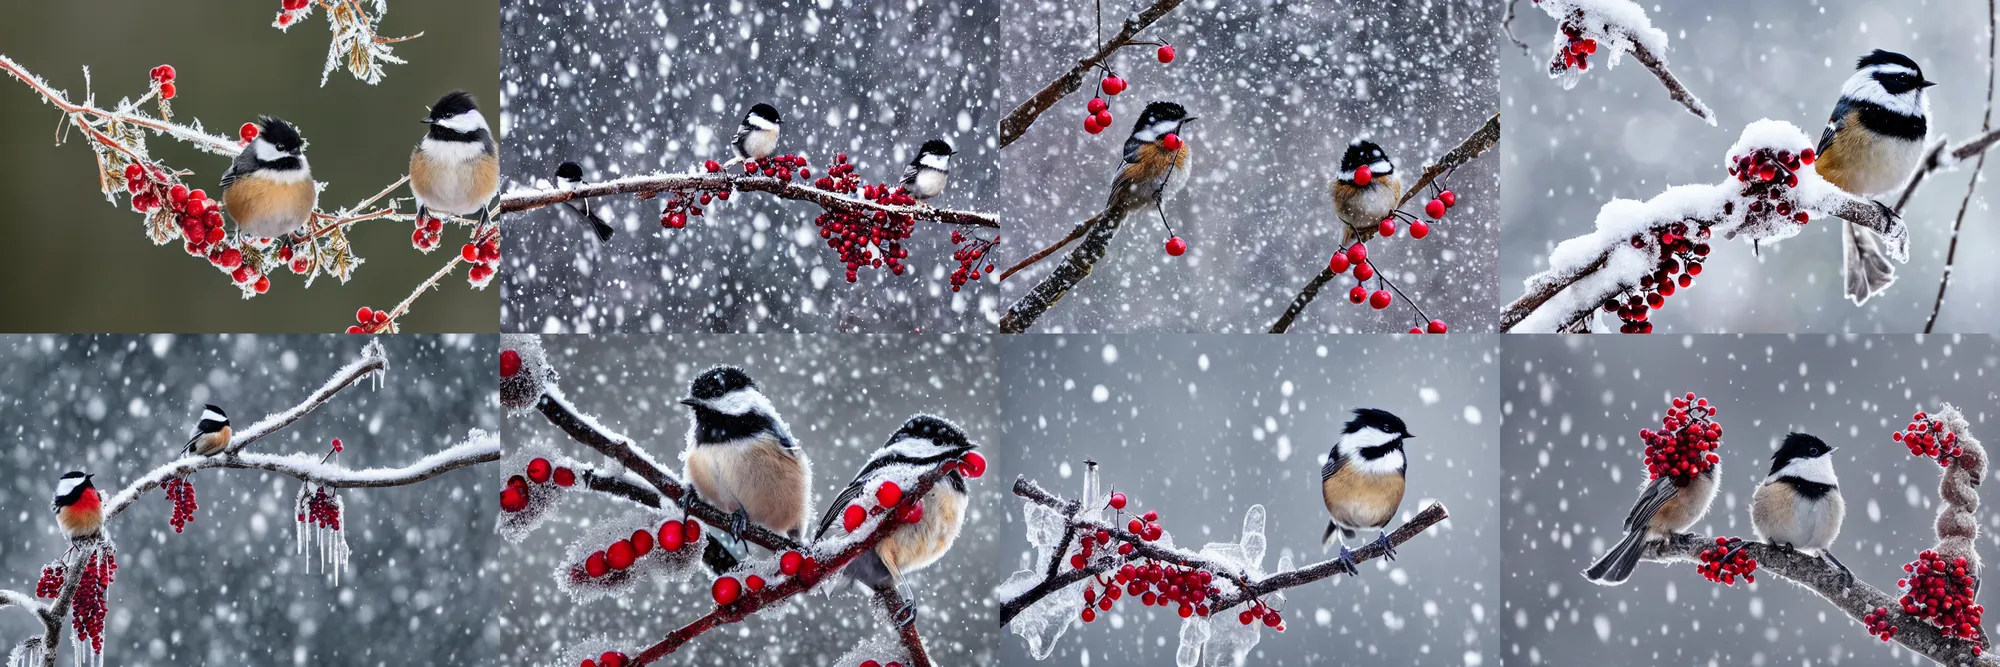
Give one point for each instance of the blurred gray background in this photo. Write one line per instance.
(1200, 428)
(231, 589)
(633, 87)
(1281, 88)
(842, 396)
(90, 263)
(1574, 408)
(1617, 135)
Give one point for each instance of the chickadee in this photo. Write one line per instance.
(926, 176)
(757, 137)
(1798, 506)
(1363, 201)
(269, 190)
(741, 457)
(922, 443)
(1152, 172)
(1665, 508)
(79, 510)
(1362, 481)
(569, 176)
(211, 434)
(1873, 140)
(456, 168)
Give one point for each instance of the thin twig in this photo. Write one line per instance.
(1507, 26)
(1985, 124)
(1017, 122)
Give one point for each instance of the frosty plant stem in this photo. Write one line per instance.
(1474, 145)
(647, 187)
(356, 39)
(308, 467)
(1017, 122)
(1985, 125)
(1619, 25)
(1957, 530)
(173, 211)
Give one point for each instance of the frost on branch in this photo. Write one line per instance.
(1612, 28)
(524, 371)
(357, 42)
(1643, 252)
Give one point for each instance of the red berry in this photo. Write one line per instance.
(1096, 105)
(167, 91)
(565, 477)
(1449, 198)
(1090, 124)
(163, 73)
(1357, 253)
(1167, 53)
(888, 494)
(513, 499)
(1118, 501)
(642, 543)
(539, 470)
(611, 659)
(852, 517)
(789, 563)
(510, 364)
(1388, 227)
(248, 132)
(912, 514)
(670, 536)
(263, 284)
(1113, 85)
(470, 252)
(620, 555)
(1104, 119)
(1379, 300)
(1358, 294)
(1338, 264)
(595, 565)
(972, 465)
(1175, 246)
(754, 583)
(726, 590)
(1364, 271)
(691, 529)
(1171, 141)
(1419, 229)
(1150, 515)
(1434, 209)
(365, 315)
(1363, 175)
(1437, 326)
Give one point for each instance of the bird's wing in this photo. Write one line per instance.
(1833, 125)
(1656, 495)
(1132, 146)
(245, 163)
(910, 173)
(839, 505)
(1333, 465)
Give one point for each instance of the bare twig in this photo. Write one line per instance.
(1675, 89)
(1017, 122)
(647, 186)
(1074, 268)
(1480, 141)
(1985, 124)
(1507, 26)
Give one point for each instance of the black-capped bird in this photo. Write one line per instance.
(921, 444)
(1665, 508)
(929, 171)
(1798, 506)
(1872, 142)
(211, 432)
(1156, 166)
(456, 168)
(569, 176)
(1365, 192)
(79, 510)
(1362, 481)
(757, 136)
(269, 190)
(741, 457)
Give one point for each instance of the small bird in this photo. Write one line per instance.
(1798, 506)
(757, 137)
(742, 458)
(1666, 507)
(456, 168)
(79, 510)
(569, 176)
(1873, 140)
(922, 443)
(211, 434)
(1365, 192)
(1362, 481)
(269, 189)
(927, 174)
(1156, 167)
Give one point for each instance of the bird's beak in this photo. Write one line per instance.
(1926, 84)
(691, 402)
(1190, 119)
(426, 121)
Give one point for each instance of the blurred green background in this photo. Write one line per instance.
(71, 262)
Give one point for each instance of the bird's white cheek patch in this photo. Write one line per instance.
(465, 122)
(65, 486)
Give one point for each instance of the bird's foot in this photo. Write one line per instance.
(1388, 548)
(1828, 555)
(739, 521)
(1346, 560)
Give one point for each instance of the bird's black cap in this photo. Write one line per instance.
(453, 103)
(766, 112)
(717, 382)
(570, 171)
(280, 134)
(1381, 420)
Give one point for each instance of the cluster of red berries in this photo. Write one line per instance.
(245, 274)
(484, 257)
(320, 509)
(727, 590)
(1723, 563)
(887, 496)
(970, 250)
(291, 10)
(429, 233)
(607, 659)
(368, 320)
(514, 498)
(198, 218)
(1098, 112)
(300, 263)
(1941, 591)
(1879, 625)
(1686, 442)
(163, 79)
(1575, 52)
(1926, 436)
(857, 236)
(1774, 172)
(87, 606)
(180, 493)
(1153, 584)
(1354, 259)
(1680, 261)
(673, 535)
(1264, 612)
(680, 205)
(50, 585)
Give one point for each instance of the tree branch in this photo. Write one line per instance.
(1017, 122)
(1675, 89)
(1074, 268)
(1598, 26)
(1480, 141)
(651, 185)
(892, 603)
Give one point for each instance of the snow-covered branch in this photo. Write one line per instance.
(1096, 233)
(1643, 252)
(1086, 560)
(647, 187)
(1591, 27)
(1017, 122)
(175, 212)
(1475, 144)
